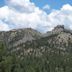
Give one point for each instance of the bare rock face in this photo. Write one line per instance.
(58, 29)
(64, 35)
(16, 37)
(59, 37)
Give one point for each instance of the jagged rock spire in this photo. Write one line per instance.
(58, 29)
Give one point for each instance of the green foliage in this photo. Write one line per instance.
(53, 59)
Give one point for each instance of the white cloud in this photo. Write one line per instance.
(62, 16)
(4, 12)
(66, 7)
(23, 14)
(46, 7)
(3, 26)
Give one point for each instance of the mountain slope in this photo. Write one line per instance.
(22, 39)
(16, 37)
(28, 50)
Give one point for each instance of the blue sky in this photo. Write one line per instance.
(2, 3)
(54, 4)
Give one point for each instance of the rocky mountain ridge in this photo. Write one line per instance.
(28, 40)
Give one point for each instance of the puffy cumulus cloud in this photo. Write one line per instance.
(66, 7)
(24, 14)
(62, 16)
(4, 12)
(21, 5)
